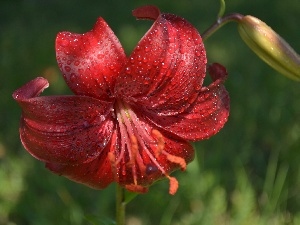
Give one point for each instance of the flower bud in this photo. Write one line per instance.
(270, 47)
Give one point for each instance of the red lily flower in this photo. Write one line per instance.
(131, 118)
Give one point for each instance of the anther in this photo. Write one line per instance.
(176, 159)
(173, 185)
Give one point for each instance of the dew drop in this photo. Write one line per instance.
(127, 70)
(76, 63)
(197, 87)
(73, 77)
(139, 58)
(145, 60)
(67, 52)
(67, 68)
(155, 62)
(64, 42)
(164, 65)
(86, 124)
(100, 56)
(197, 53)
(102, 118)
(112, 67)
(150, 169)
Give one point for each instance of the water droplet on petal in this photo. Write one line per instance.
(127, 70)
(86, 124)
(67, 68)
(145, 60)
(164, 65)
(73, 77)
(150, 168)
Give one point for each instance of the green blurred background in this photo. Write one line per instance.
(249, 173)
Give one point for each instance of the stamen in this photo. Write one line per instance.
(173, 185)
(160, 139)
(132, 155)
(134, 149)
(160, 142)
(176, 159)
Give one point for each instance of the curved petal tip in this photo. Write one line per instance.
(146, 12)
(217, 71)
(31, 89)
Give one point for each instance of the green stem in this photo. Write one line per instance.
(222, 8)
(219, 23)
(120, 206)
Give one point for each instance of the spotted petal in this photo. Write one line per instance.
(62, 129)
(165, 71)
(90, 62)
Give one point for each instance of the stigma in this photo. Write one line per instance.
(140, 152)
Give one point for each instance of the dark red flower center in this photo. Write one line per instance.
(136, 141)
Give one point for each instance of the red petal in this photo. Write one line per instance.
(90, 62)
(63, 129)
(165, 71)
(95, 174)
(203, 119)
(146, 12)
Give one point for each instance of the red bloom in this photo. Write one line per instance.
(131, 118)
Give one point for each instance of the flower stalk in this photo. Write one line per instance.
(220, 22)
(120, 205)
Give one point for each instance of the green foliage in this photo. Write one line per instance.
(248, 173)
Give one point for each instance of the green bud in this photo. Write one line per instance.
(270, 47)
